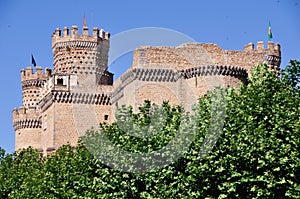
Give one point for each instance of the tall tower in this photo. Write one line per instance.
(77, 95)
(85, 55)
(59, 107)
(26, 120)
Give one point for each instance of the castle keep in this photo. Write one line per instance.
(59, 106)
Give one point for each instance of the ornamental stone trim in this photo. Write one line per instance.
(74, 44)
(273, 60)
(27, 123)
(33, 82)
(169, 75)
(76, 98)
(214, 70)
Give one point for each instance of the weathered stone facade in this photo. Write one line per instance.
(58, 107)
(182, 74)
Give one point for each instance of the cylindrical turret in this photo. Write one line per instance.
(31, 84)
(84, 55)
(273, 57)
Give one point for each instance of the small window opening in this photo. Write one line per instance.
(60, 82)
(105, 117)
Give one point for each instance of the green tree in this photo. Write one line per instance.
(291, 74)
(69, 173)
(21, 174)
(257, 154)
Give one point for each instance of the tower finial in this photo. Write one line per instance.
(84, 21)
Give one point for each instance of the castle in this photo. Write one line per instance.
(59, 106)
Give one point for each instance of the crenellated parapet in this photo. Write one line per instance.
(32, 82)
(28, 74)
(271, 54)
(81, 54)
(26, 118)
(72, 38)
(30, 79)
(271, 48)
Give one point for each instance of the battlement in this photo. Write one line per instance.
(32, 82)
(25, 113)
(66, 40)
(26, 118)
(260, 47)
(80, 54)
(28, 74)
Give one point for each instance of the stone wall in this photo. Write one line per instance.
(182, 74)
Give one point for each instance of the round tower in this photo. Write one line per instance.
(27, 119)
(32, 84)
(85, 55)
(273, 57)
(270, 55)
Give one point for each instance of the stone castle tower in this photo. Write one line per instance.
(58, 107)
(79, 83)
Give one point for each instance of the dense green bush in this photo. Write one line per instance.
(257, 153)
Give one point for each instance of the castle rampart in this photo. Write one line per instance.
(194, 64)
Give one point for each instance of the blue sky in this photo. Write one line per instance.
(26, 27)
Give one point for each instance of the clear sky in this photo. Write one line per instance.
(26, 27)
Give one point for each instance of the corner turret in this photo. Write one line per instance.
(31, 85)
(271, 54)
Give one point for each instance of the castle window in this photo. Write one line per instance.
(105, 117)
(60, 81)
